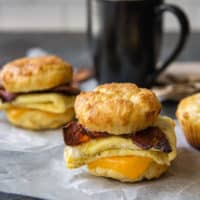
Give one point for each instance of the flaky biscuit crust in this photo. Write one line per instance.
(35, 74)
(188, 114)
(154, 171)
(117, 108)
(36, 119)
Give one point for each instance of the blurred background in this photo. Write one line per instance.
(70, 15)
(59, 27)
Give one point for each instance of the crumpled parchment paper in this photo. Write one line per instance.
(17, 139)
(43, 174)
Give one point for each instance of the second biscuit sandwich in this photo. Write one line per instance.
(37, 93)
(120, 134)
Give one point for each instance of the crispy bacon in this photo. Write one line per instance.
(6, 96)
(67, 88)
(152, 137)
(75, 134)
(1, 86)
(63, 89)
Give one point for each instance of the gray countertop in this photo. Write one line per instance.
(73, 47)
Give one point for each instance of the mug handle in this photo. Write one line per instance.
(184, 33)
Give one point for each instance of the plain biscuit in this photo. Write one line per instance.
(35, 74)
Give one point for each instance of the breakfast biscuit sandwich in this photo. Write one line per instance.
(37, 93)
(119, 134)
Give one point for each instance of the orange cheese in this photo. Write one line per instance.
(16, 112)
(129, 166)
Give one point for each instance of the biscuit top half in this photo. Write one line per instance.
(35, 74)
(117, 108)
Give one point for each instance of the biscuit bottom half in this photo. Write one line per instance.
(127, 168)
(36, 119)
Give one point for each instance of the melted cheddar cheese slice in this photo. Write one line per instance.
(131, 167)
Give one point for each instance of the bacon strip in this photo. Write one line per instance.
(75, 134)
(68, 89)
(7, 96)
(63, 89)
(152, 137)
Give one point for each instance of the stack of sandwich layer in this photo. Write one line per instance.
(119, 134)
(36, 93)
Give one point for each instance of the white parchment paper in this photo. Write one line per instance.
(37, 168)
(17, 139)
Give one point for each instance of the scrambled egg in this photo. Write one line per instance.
(39, 110)
(49, 102)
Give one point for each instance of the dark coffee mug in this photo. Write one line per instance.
(125, 39)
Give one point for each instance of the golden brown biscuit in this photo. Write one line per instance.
(153, 170)
(35, 74)
(117, 108)
(188, 114)
(36, 119)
